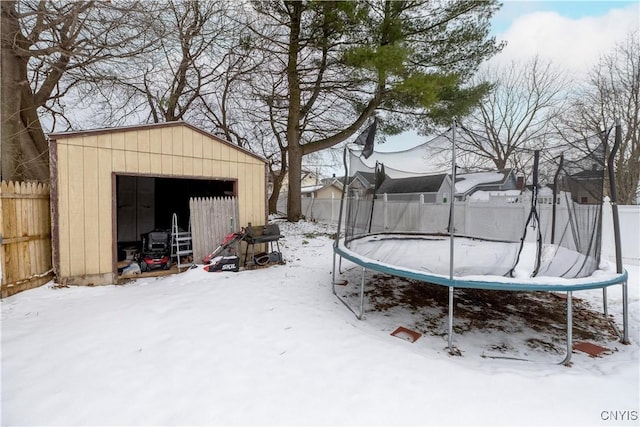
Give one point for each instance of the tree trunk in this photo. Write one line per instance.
(294, 149)
(277, 181)
(294, 202)
(277, 186)
(23, 145)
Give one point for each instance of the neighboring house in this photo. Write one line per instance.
(330, 189)
(307, 178)
(586, 186)
(434, 188)
(437, 188)
(361, 182)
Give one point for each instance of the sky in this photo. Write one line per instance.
(572, 35)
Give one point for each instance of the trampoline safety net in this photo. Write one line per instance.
(384, 203)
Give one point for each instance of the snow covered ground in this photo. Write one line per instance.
(275, 346)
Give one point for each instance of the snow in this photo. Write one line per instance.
(467, 181)
(275, 346)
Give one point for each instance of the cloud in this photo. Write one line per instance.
(573, 45)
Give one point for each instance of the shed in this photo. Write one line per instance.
(111, 185)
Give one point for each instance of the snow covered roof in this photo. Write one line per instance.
(469, 181)
(312, 188)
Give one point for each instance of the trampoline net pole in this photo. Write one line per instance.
(337, 239)
(452, 231)
(451, 351)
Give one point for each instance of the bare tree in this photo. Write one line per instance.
(514, 119)
(612, 93)
(192, 41)
(47, 49)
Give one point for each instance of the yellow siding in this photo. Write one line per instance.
(144, 163)
(197, 166)
(91, 214)
(76, 212)
(156, 163)
(131, 161)
(143, 141)
(118, 162)
(117, 141)
(165, 137)
(197, 144)
(105, 212)
(104, 140)
(86, 165)
(155, 141)
(216, 150)
(63, 210)
(207, 167)
(187, 141)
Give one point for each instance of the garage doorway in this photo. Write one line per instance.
(147, 203)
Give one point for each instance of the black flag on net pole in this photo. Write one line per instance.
(366, 139)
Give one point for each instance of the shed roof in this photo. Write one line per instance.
(79, 133)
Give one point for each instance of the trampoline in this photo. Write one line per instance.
(549, 248)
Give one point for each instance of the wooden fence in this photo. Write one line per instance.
(25, 234)
(212, 218)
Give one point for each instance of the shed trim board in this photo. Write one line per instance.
(85, 167)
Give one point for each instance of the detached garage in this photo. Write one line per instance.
(110, 186)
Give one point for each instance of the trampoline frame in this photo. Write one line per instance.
(511, 285)
(567, 285)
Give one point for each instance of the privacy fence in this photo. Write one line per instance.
(212, 218)
(497, 217)
(25, 233)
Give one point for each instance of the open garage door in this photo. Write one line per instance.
(147, 203)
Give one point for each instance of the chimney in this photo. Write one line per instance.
(520, 183)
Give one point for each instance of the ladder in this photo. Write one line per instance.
(180, 243)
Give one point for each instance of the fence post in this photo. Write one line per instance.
(467, 216)
(420, 210)
(384, 203)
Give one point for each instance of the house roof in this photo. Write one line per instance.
(312, 188)
(367, 178)
(79, 133)
(416, 184)
(471, 181)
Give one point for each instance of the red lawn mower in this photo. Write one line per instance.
(156, 250)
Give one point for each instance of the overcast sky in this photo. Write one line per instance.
(571, 34)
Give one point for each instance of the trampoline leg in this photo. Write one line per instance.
(604, 302)
(451, 351)
(361, 315)
(567, 358)
(333, 275)
(625, 314)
